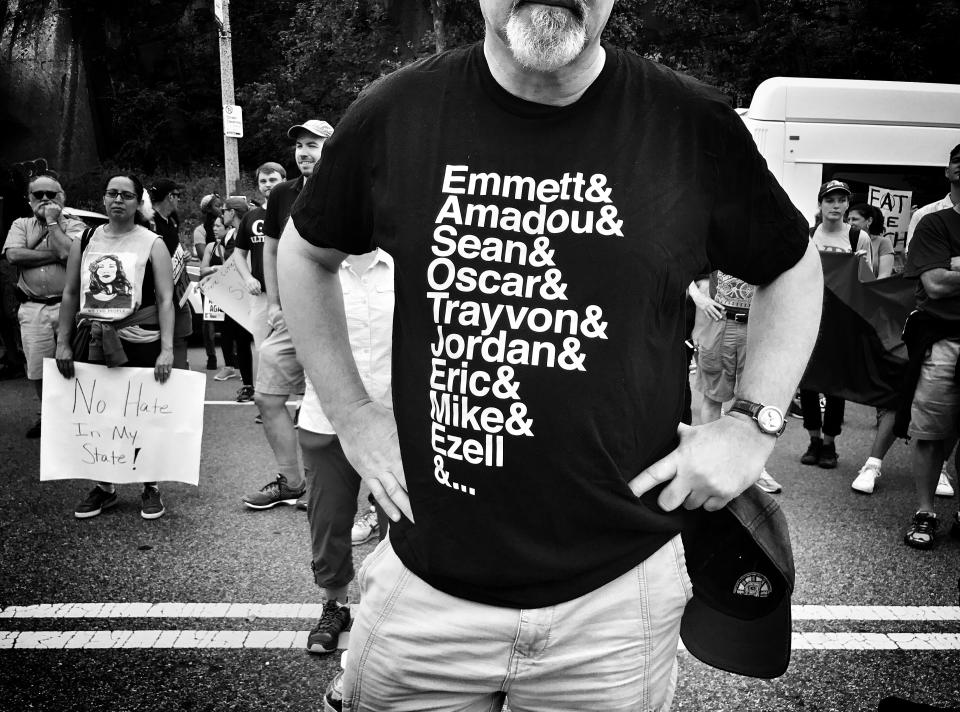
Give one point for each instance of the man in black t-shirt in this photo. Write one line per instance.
(934, 259)
(165, 196)
(279, 373)
(527, 190)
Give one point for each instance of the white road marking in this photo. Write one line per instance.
(297, 639)
(313, 610)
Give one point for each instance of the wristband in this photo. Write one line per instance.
(52, 224)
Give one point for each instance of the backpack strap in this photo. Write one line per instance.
(85, 239)
(854, 238)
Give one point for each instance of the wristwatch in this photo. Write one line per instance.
(768, 418)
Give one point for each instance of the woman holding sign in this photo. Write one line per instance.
(137, 331)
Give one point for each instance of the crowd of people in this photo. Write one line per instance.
(534, 487)
(724, 302)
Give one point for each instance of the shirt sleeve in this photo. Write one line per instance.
(756, 233)
(885, 247)
(930, 247)
(74, 228)
(336, 208)
(17, 237)
(271, 221)
(242, 238)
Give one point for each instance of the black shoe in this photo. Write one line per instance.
(795, 411)
(96, 501)
(326, 633)
(828, 456)
(245, 394)
(922, 531)
(211, 363)
(34, 432)
(151, 506)
(274, 493)
(812, 455)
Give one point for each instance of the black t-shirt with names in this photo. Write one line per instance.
(281, 200)
(935, 241)
(542, 259)
(250, 238)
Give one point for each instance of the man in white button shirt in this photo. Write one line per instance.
(952, 172)
(332, 483)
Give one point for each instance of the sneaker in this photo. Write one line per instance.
(34, 432)
(212, 363)
(767, 483)
(866, 480)
(828, 456)
(274, 493)
(96, 501)
(365, 527)
(812, 455)
(944, 488)
(326, 633)
(151, 506)
(302, 502)
(258, 420)
(922, 531)
(245, 394)
(333, 697)
(226, 373)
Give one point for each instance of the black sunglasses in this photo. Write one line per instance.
(48, 194)
(125, 194)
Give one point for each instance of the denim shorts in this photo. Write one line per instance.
(720, 358)
(413, 647)
(935, 412)
(279, 373)
(38, 333)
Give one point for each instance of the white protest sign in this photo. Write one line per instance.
(211, 312)
(120, 425)
(895, 206)
(226, 287)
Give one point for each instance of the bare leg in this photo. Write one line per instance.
(927, 461)
(278, 427)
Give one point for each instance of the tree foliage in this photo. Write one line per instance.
(154, 68)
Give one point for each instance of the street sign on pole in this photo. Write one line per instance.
(232, 121)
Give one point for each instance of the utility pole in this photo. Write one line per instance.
(231, 159)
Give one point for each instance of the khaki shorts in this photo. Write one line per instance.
(935, 412)
(279, 373)
(720, 359)
(38, 332)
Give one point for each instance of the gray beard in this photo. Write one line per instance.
(552, 39)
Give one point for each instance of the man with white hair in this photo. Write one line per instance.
(38, 247)
(527, 189)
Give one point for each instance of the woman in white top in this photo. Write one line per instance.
(136, 330)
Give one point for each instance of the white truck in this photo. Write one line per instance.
(889, 140)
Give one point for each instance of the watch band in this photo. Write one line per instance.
(753, 410)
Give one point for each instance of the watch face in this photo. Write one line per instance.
(770, 419)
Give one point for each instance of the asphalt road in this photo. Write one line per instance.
(209, 549)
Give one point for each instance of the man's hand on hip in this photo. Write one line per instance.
(713, 463)
(368, 435)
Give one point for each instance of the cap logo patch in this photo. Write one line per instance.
(753, 584)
